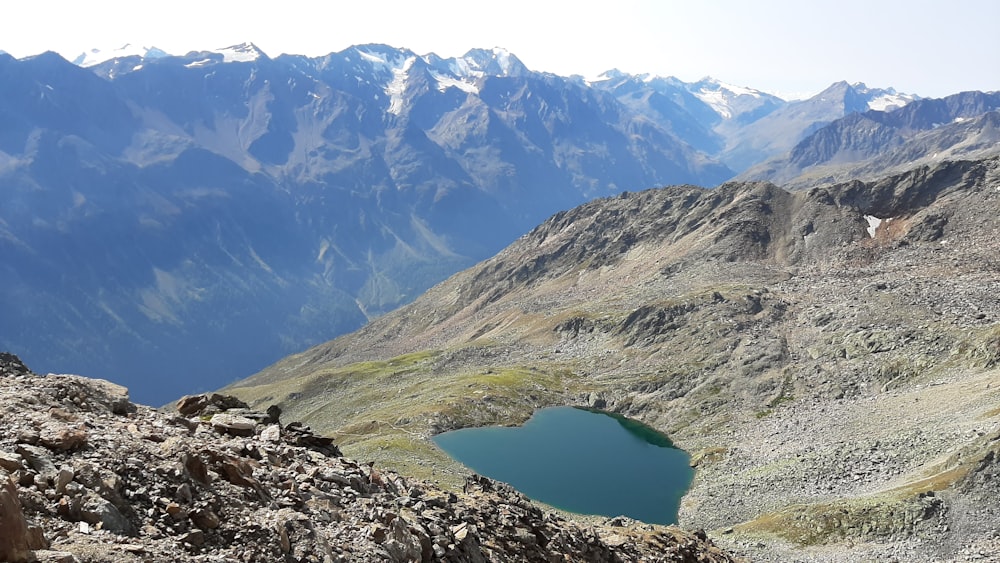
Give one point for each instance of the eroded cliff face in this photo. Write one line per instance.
(86, 475)
(833, 349)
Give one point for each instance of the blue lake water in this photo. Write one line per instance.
(582, 461)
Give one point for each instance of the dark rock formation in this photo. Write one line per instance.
(12, 365)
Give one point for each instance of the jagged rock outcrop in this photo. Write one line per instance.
(151, 486)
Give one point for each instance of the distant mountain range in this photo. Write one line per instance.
(867, 144)
(177, 222)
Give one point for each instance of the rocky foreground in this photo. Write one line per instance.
(86, 475)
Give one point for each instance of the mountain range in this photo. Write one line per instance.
(178, 222)
(869, 143)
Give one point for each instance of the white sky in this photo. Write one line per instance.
(789, 47)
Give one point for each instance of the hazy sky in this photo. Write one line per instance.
(782, 46)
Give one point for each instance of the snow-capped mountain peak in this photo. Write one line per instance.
(494, 62)
(726, 99)
(242, 53)
(384, 61)
(617, 76)
(611, 74)
(709, 83)
(98, 56)
(465, 72)
(883, 99)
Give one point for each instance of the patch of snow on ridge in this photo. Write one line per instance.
(461, 67)
(735, 90)
(380, 60)
(716, 100)
(889, 101)
(242, 53)
(445, 82)
(873, 223)
(372, 58)
(503, 59)
(611, 74)
(721, 96)
(396, 88)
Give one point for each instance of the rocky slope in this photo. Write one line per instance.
(86, 475)
(830, 357)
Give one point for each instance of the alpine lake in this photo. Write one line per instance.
(581, 460)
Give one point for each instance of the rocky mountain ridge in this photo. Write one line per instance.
(86, 475)
(829, 356)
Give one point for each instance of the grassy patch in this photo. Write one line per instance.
(867, 518)
(708, 455)
(892, 513)
(386, 411)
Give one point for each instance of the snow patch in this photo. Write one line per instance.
(873, 223)
(605, 76)
(717, 101)
(889, 101)
(384, 61)
(242, 53)
(502, 57)
(735, 90)
(463, 69)
(445, 82)
(370, 57)
(196, 64)
(721, 96)
(397, 86)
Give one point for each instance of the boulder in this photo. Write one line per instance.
(9, 461)
(17, 539)
(233, 424)
(208, 403)
(61, 437)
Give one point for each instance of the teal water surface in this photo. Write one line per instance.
(582, 461)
